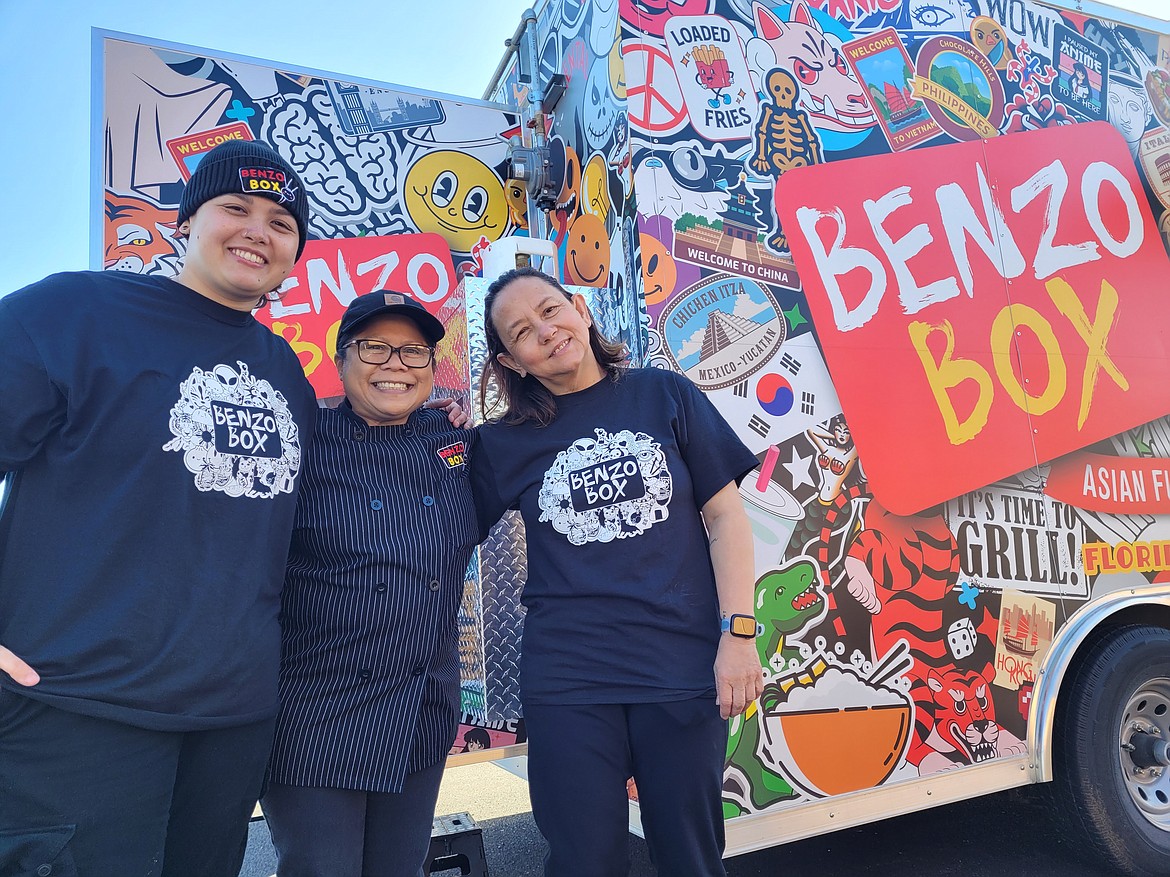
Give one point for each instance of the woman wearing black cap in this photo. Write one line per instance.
(369, 678)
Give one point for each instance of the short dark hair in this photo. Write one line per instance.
(342, 346)
(477, 735)
(526, 399)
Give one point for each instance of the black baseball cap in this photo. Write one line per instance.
(374, 304)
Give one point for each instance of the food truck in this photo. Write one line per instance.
(914, 252)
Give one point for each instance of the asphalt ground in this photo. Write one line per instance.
(1011, 834)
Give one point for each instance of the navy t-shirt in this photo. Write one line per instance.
(621, 598)
(156, 439)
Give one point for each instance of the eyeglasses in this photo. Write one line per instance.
(379, 353)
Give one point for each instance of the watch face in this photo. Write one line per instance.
(743, 625)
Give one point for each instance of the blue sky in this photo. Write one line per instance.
(449, 46)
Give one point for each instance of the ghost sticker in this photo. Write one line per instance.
(600, 109)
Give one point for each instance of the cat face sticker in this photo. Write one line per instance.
(798, 43)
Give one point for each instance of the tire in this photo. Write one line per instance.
(1109, 799)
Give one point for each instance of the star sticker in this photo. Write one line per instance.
(798, 468)
(1143, 447)
(795, 317)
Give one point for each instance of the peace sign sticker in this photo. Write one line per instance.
(654, 99)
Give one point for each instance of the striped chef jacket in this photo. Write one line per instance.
(369, 674)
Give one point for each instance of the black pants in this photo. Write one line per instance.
(347, 833)
(579, 758)
(96, 798)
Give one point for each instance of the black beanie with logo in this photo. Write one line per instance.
(247, 167)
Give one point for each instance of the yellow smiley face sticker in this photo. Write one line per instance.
(457, 196)
(595, 187)
(617, 71)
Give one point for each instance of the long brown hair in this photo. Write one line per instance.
(525, 398)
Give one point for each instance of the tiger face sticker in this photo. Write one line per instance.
(236, 433)
(613, 487)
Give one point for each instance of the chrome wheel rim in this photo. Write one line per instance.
(1147, 712)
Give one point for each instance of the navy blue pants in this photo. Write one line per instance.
(349, 833)
(91, 797)
(579, 758)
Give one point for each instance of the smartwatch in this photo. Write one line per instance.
(743, 626)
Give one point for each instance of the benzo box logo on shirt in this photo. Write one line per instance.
(453, 455)
(606, 483)
(236, 433)
(242, 430)
(612, 487)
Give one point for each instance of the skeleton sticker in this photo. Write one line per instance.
(784, 140)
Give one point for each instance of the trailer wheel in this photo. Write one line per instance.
(1112, 751)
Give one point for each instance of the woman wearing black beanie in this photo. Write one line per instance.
(153, 434)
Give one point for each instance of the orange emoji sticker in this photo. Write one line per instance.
(659, 273)
(587, 252)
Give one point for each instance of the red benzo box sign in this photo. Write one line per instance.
(985, 306)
